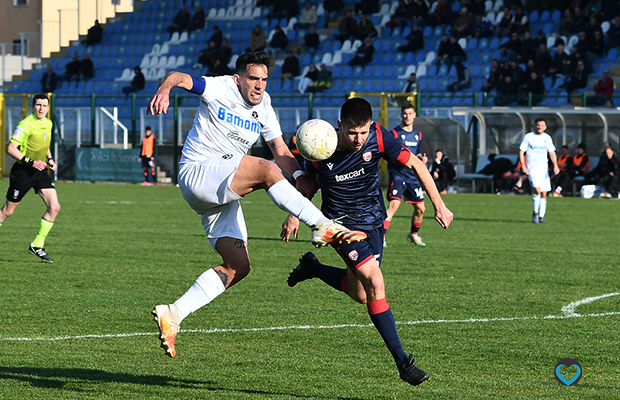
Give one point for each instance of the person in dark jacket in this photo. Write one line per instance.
(578, 79)
(49, 81)
(415, 40)
(95, 34)
(198, 19)
(442, 171)
(364, 54)
(87, 68)
(290, 67)
(137, 83)
(72, 70)
(180, 21)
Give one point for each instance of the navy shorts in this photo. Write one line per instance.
(410, 190)
(23, 178)
(358, 253)
(147, 162)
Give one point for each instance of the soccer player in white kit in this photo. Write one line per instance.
(537, 145)
(215, 172)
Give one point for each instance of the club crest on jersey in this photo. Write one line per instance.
(254, 115)
(354, 255)
(17, 132)
(233, 105)
(367, 156)
(330, 165)
(15, 193)
(227, 156)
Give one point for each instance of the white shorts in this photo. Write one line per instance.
(205, 186)
(540, 179)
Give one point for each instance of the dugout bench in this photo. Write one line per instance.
(483, 161)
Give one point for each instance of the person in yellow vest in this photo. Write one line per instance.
(30, 146)
(148, 158)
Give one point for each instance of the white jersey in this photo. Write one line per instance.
(536, 148)
(226, 124)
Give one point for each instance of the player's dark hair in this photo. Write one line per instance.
(540, 119)
(40, 96)
(565, 147)
(407, 106)
(147, 128)
(256, 58)
(356, 112)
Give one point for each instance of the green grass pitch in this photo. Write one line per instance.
(474, 306)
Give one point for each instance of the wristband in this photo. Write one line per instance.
(50, 159)
(27, 161)
(298, 173)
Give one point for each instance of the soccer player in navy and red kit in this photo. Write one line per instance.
(349, 183)
(403, 181)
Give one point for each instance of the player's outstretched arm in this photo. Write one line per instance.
(161, 100)
(442, 215)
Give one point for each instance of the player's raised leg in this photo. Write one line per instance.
(50, 198)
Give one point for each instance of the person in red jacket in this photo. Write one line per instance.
(604, 88)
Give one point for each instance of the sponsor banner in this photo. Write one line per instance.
(108, 165)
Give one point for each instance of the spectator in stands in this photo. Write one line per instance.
(495, 75)
(543, 60)
(536, 87)
(258, 39)
(578, 23)
(365, 28)
(503, 27)
(87, 68)
(206, 57)
(464, 23)
(308, 79)
(604, 89)
(290, 67)
(539, 39)
(137, 83)
(613, 34)
(456, 52)
(529, 68)
(412, 84)
(285, 9)
(367, 7)
(578, 80)
(607, 175)
(323, 80)
(417, 11)
(442, 171)
(577, 56)
(415, 40)
(72, 69)
(49, 81)
(443, 51)
(463, 78)
(219, 68)
(477, 7)
(224, 54)
(592, 27)
(180, 21)
(197, 21)
(519, 23)
(400, 14)
(95, 34)
(279, 42)
(439, 13)
(308, 17)
(560, 66)
(565, 164)
(566, 22)
(528, 48)
(509, 50)
(507, 93)
(364, 54)
(311, 41)
(482, 27)
(516, 73)
(347, 27)
(333, 8)
(596, 47)
(216, 37)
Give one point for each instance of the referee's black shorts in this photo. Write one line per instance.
(23, 178)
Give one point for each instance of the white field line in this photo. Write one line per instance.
(569, 312)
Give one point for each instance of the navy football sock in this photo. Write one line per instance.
(383, 319)
(331, 275)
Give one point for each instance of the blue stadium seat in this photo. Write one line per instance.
(428, 31)
(287, 85)
(484, 44)
(612, 55)
(534, 17)
(494, 44)
(556, 16)
(545, 16)
(443, 71)
(419, 57)
(397, 32)
(358, 71)
(392, 71)
(476, 71)
(378, 72)
(472, 44)
(432, 71)
(275, 86)
(438, 32)
(548, 82)
(399, 58)
(409, 58)
(446, 100)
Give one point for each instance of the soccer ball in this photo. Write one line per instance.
(316, 140)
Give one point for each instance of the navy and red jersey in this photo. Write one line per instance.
(349, 180)
(413, 142)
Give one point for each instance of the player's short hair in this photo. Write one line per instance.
(147, 128)
(356, 112)
(565, 147)
(252, 58)
(40, 96)
(406, 106)
(540, 119)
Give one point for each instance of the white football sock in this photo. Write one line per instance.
(285, 196)
(206, 288)
(543, 208)
(536, 202)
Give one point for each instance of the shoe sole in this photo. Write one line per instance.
(42, 259)
(339, 237)
(299, 267)
(171, 352)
